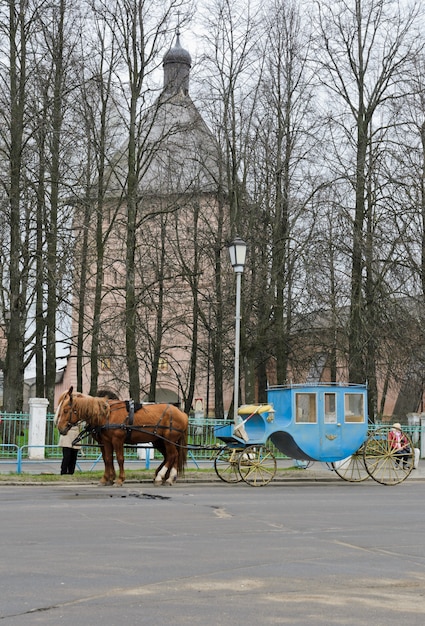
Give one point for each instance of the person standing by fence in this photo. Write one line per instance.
(69, 451)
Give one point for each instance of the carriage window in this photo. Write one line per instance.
(330, 408)
(305, 408)
(354, 407)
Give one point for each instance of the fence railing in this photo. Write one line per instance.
(14, 446)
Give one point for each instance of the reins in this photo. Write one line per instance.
(96, 430)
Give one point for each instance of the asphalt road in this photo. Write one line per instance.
(298, 554)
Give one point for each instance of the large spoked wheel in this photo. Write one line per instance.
(385, 464)
(353, 468)
(226, 465)
(257, 465)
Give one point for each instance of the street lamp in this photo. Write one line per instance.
(237, 252)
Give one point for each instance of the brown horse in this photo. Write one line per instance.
(115, 422)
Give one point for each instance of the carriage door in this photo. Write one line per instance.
(331, 442)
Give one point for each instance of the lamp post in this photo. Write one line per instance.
(237, 252)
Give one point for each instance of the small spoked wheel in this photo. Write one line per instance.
(383, 462)
(352, 469)
(257, 465)
(226, 465)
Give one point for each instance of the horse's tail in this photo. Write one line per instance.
(182, 452)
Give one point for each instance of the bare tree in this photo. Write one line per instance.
(98, 110)
(138, 29)
(232, 43)
(367, 44)
(16, 27)
(288, 90)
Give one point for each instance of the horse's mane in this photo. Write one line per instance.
(94, 411)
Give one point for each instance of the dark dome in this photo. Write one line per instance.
(177, 63)
(177, 54)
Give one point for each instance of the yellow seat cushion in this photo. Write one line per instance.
(249, 409)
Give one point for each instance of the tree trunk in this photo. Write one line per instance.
(52, 229)
(15, 328)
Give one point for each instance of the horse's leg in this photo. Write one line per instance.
(172, 473)
(108, 460)
(119, 453)
(168, 472)
(159, 445)
(158, 474)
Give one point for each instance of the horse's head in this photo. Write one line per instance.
(66, 416)
(79, 407)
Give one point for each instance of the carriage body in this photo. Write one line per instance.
(319, 422)
(309, 422)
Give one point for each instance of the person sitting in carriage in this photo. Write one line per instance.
(399, 443)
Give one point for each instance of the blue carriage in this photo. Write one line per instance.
(310, 422)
